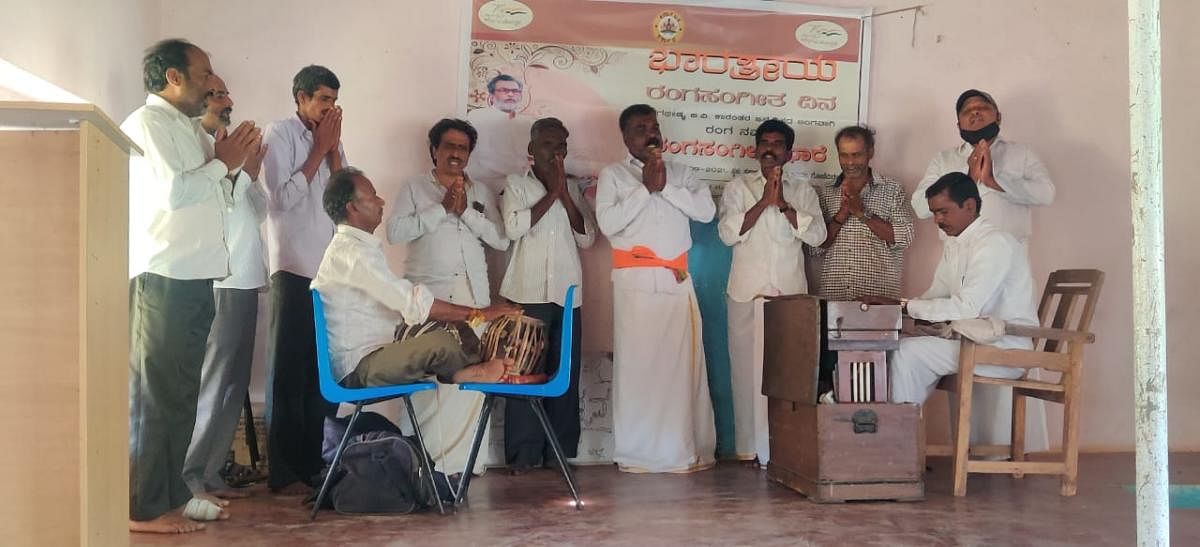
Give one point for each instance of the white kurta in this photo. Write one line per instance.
(768, 260)
(662, 412)
(984, 272)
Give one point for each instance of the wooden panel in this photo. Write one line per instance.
(39, 335)
(104, 337)
(792, 348)
(890, 454)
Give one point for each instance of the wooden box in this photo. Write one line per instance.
(857, 326)
(845, 452)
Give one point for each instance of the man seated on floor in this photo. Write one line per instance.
(984, 272)
(365, 303)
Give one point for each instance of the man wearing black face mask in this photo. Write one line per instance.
(1010, 177)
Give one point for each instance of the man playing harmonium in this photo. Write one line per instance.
(546, 217)
(983, 273)
(767, 218)
(365, 303)
(662, 413)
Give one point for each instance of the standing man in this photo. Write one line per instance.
(767, 219)
(503, 134)
(302, 151)
(662, 413)
(1010, 176)
(178, 193)
(230, 348)
(868, 224)
(546, 217)
(445, 217)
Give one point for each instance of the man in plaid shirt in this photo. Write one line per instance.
(869, 223)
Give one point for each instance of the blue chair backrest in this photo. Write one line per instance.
(330, 389)
(561, 380)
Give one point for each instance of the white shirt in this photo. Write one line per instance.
(984, 272)
(178, 194)
(629, 215)
(243, 235)
(1017, 170)
(442, 246)
(298, 229)
(502, 147)
(364, 301)
(768, 259)
(544, 259)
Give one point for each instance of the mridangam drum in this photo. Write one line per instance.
(520, 338)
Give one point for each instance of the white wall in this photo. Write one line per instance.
(1057, 68)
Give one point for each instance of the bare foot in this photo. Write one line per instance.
(294, 489)
(487, 372)
(231, 494)
(170, 523)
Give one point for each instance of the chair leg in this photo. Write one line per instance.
(962, 429)
(464, 482)
(1070, 437)
(425, 461)
(1018, 432)
(540, 411)
(337, 458)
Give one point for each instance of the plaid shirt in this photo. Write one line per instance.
(858, 263)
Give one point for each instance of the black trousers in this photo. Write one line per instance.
(169, 320)
(524, 442)
(296, 410)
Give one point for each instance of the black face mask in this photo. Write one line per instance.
(985, 133)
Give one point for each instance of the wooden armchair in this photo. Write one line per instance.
(1057, 352)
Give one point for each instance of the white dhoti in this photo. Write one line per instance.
(751, 434)
(662, 412)
(448, 415)
(921, 361)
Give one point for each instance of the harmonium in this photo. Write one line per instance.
(860, 447)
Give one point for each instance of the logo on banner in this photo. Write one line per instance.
(822, 35)
(505, 14)
(668, 27)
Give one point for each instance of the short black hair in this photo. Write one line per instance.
(311, 78)
(547, 123)
(634, 110)
(968, 94)
(446, 124)
(775, 126)
(959, 187)
(856, 132)
(491, 86)
(163, 56)
(339, 192)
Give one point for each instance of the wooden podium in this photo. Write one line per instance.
(64, 327)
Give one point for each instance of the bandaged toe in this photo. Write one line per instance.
(202, 510)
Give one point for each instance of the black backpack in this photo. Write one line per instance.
(380, 470)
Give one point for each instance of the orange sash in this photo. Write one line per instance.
(643, 257)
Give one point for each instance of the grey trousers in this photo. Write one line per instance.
(223, 385)
(169, 320)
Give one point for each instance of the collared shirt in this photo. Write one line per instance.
(858, 263)
(501, 149)
(364, 301)
(768, 259)
(1017, 170)
(243, 234)
(443, 246)
(298, 229)
(984, 272)
(629, 215)
(178, 194)
(544, 259)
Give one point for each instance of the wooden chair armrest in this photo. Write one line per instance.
(1052, 334)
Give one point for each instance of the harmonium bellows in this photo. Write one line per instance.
(861, 335)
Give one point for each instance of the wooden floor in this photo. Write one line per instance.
(730, 505)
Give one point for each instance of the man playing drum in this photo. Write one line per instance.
(546, 217)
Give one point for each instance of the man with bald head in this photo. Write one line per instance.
(179, 192)
(230, 348)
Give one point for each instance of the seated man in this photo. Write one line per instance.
(984, 272)
(365, 302)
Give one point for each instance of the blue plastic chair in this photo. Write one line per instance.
(334, 392)
(533, 394)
